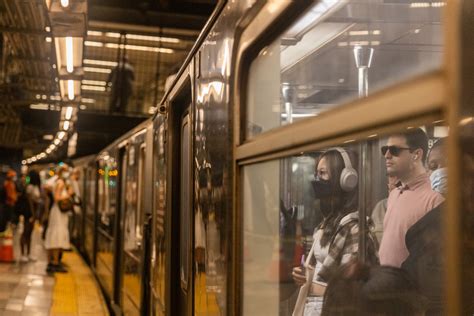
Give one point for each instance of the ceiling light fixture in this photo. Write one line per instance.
(69, 55)
(68, 114)
(70, 89)
(65, 3)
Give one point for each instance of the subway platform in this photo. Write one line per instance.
(26, 289)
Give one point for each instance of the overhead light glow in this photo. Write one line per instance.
(93, 88)
(94, 82)
(99, 70)
(68, 114)
(48, 39)
(57, 141)
(23, 162)
(94, 33)
(48, 151)
(140, 48)
(152, 38)
(61, 135)
(47, 29)
(82, 107)
(66, 125)
(48, 137)
(65, 3)
(70, 89)
(39, 106)
(112, 34)
(69, 55)
(93, 44)
(87, 100)
(100, 62)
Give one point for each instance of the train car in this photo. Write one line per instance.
(207, 208)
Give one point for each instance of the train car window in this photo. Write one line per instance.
(132, 235)
(159, 249)
(335, 52)
(185, 195)
(310, 235)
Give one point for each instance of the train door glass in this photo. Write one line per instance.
(335, 52)
(132, 230)
(185, 205)
(307, 217)
(106, 229)
(89, 204)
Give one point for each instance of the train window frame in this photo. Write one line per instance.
(423, 99)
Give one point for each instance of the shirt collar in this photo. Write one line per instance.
(414, 183)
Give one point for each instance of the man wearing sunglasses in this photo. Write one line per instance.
(405, 155)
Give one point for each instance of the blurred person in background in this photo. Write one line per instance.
(57, 234)
(437, 167)
(34, 199)
(9, 197)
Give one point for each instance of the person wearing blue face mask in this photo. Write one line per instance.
(437, 167)
(336, 239)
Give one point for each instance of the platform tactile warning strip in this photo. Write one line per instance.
(77, 293)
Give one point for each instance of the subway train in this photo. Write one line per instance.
(207, 207)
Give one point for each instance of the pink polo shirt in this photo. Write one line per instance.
(405, 206)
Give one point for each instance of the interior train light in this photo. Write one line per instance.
(69, 55)
(70, 89)
(65, 3)
(56, 141)
(68, 114)
(61, 135)
(66, 125)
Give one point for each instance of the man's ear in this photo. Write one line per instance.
(418, 154)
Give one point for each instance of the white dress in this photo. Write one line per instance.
(57, 234)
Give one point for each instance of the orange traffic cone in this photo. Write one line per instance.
(6, 246)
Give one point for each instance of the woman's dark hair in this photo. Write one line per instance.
(358, 289)
(340, 203)
(34, 177)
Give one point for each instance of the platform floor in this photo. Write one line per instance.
(26, 289)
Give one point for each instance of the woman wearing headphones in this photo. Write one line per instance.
(336, 238)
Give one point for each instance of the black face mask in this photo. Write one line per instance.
(322, 188)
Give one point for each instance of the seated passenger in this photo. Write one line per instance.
(437, 167)
(412, 199)
(336, 239)
(378, 213)
(360, 290)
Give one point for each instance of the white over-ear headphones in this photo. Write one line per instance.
(349, 177)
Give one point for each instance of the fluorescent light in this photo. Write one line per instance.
(140, 48)
(23, 162)
(99, 70)
(66, 125)
(86, 100)
(94, 33)
(48, 137)
(48, 151)
(64, 3)
(55, 97)
(48, 39)
(70, 89)
(100, 62)
(47, 29)
(61, 135)
(69, 55)
(68, 114)
(93, 88)
(38, 96)
(357, 33)
(39, 106)
(93, 44)
(82, 107)
(33, 159)
(112, 34)
(94, 82)
(57, 141)
(152, 38)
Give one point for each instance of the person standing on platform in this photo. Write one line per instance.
(405, 155)
(10, 198)
(57, 234)
(121, 85)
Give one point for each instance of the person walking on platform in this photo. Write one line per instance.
(57, 234)
(10, 197)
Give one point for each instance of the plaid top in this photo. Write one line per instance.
(343, 247)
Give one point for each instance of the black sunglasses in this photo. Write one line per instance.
(394, 150)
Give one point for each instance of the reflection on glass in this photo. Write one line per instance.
(338, 51)
(303, 219)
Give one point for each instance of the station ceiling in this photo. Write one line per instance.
(30, 102)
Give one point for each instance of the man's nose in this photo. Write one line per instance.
(388, 155)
